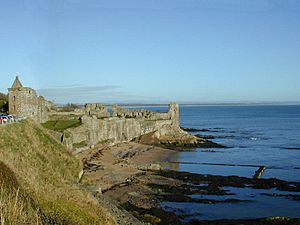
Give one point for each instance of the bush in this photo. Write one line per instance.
(3, 106)
(3, 103)
(3, 97)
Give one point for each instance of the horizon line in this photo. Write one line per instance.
(196, 103)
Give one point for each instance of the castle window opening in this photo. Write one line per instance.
(14, 98)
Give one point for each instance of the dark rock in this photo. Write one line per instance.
(233, 181)
(205, 136)
(212, 151)
(292, 148)
(165, 217)
(293, 197)
(264, 221)
(210, 144)
(184, 198)
(92, 167)
(193, 130)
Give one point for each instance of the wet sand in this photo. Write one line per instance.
(120, 163)
(131, 175)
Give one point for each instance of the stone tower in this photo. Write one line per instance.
(24, 102)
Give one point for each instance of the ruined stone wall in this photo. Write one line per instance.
(96, 109)
(129, 113)
(147, 114)
(120, 128)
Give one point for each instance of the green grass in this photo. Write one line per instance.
(80, 144)
(48, 176)
(69, 116)
(61, 125)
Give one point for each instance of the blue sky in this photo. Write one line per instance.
(153, 51)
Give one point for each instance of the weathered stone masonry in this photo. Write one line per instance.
(24, 102)
(98, 124)
(124, 125)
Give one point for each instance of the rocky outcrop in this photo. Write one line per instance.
(176, 138)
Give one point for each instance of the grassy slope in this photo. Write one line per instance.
(61, 125)
(15, 206)
(48, 175)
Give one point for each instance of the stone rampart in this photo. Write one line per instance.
(125, 125)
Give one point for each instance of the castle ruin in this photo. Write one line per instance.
(122, 126)
(24, 102)
(97, 124)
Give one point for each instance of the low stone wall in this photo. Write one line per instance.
(120, 128)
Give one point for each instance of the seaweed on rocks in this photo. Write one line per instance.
(194, 129)
(205, 136)
(184, 187)
(233, 181)
(263, 221)
(184, 198)
(160, 216)
(289, 196)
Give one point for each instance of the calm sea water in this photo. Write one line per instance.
(257, 135)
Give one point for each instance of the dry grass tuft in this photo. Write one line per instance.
(15, 206)
(15, 209)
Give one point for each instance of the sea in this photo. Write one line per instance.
(255, 136)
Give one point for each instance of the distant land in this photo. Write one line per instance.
(200, 104)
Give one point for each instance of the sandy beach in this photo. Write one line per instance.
(106, 167)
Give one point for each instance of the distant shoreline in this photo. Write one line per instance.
(196, 105)
(211, 104)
